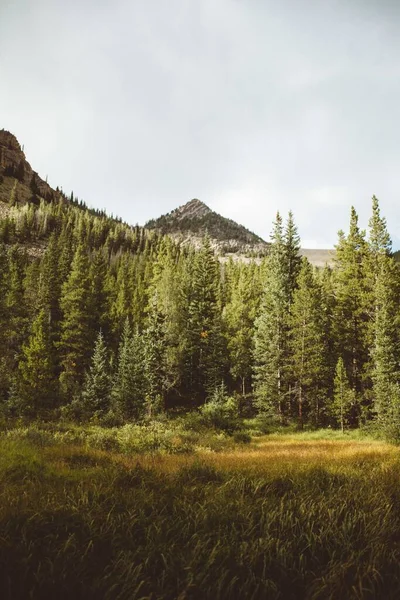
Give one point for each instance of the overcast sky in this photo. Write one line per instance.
(252, 106)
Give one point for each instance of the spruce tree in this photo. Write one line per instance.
(154, 348)
(351, 319)
(129, 385)
(270, 338)
(76, 340)
(239, 316)
(308, 347)
(292, 255)
(165, 301)
(96, 393)
(203, 343)
(99, 294)
(383, 291)
(49, 290)
(35, 392)
(385, 349)
(343, 396)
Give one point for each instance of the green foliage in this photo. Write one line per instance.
(270, 337)
(343, 398)
(76, 339)
(35, 392)
(96, 393)
(221, 410)
(272, 331)
(129, 386)
(308, 348)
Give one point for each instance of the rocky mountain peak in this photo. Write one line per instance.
(194, 209)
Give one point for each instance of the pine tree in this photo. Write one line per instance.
(328, 308)
(96, 393)
(270, 339)
(129, 386)
(49, 289)
(154, 357)
(164, 295)
(76, 339)
(383, 288)
(351, 320)
(292, 255)
(99, 294)
(203, 334)
(308, 347)
(343, 396)
(385, 342)
(35, 393)
(239, 316)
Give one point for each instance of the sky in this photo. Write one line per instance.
(252, 106)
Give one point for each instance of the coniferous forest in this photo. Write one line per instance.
(112, 324)
(176, 424)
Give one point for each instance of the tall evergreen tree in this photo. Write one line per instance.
(49, 290)
(308, 347)
(383, 278)
(96, 393)
(76, 339)
(154, 356)
(129, 386)
(35, 392)
(343, 396)
(239, 316)
(270, 340)
(99, 294)
(292, 255)
(203, 334)
(351, 309)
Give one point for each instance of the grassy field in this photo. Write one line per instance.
(89, 514)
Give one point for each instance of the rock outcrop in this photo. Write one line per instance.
(13, 163)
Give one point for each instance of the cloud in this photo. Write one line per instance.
(253, 107)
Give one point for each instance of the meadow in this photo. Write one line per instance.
(169, 512)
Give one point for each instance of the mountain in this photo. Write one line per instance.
(20, 184)
(189, 223)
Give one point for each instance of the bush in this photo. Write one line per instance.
(221, 411)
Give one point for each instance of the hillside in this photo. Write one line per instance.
(18, 181)
(20, 185)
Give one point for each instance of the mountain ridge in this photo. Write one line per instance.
(186, 224)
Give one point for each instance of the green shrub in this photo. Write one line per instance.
(221, 411)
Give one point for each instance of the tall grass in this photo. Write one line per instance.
(283, 517)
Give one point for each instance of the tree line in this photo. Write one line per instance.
(106, 321)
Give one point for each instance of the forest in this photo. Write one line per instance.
(173, 425)
(111, 324)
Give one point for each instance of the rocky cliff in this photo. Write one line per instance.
(14, 164)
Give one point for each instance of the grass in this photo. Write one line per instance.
(314, 515)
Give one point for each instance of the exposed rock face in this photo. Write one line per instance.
(14, 163)
(195, 209)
